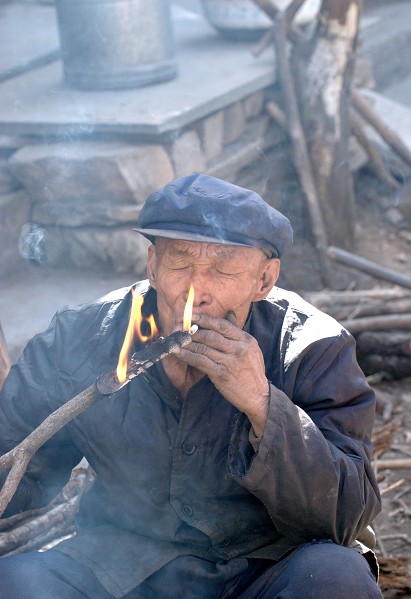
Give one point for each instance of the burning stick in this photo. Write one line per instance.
(18, 458)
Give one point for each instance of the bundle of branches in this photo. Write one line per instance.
(33, 529)
(380, 320)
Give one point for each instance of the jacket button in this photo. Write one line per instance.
(188, 448)
(187, 510)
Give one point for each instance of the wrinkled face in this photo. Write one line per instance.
(225, 277)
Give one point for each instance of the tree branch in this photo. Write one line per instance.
(5, 362)
(368, 266)
(367, 112)
(374, 156)
(32, 529)
(18, 458)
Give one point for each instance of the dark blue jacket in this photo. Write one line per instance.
(180, 477)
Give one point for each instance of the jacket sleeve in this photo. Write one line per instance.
(34, 388)
(312, 468)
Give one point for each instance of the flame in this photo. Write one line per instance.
(134, 327)
(188, 310)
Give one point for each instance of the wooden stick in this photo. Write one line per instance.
(379, 542)
(5, 361)
(330, 298)
(41, 526)
(278, 115)
(394, 464)
(297, 137)
(18, 458)
(270, 9)
(397, 536)
(294, 33)
(392, 487)
(378, 323)
(368, 266)
(373, 154)
(351, 310)
(367, 112)
(292, 9)
(380, 308)
(265, 42)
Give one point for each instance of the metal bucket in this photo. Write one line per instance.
(113, 44)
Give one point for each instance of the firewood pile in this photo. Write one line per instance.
(42, 528)
(380, 320)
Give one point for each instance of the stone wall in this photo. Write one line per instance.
(75, 203)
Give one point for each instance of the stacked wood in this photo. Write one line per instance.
(380, 320)
(345, 305)
(394, 574)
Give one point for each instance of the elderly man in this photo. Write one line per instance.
(239, 467)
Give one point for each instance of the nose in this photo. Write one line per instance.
(201, 280)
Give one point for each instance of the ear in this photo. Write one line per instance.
(268, 278)
(151, 265)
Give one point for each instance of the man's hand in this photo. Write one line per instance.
(234, 363)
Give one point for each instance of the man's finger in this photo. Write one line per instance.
(220, 325)
(213, 339)
(199, 361)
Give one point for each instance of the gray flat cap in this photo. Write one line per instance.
(205, 209)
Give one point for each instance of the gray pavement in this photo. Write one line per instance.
(28, 299)
(37, 102)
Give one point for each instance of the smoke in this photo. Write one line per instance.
(31, 243)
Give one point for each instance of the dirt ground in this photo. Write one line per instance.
(393, 525)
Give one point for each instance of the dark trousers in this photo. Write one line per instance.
(318, 570)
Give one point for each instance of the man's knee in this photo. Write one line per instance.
(47, 575)
(325, 569)
(17, 574)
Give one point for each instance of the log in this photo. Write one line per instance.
(278, 115)
(394, 574)
(374, 156)
(323, 68)
(364, 307)
(372, 268)
(378, 323)
(382, 308)
(394, 464)
(325, 299)
(385, 367)
(5, 361)
(385, 343)
(297, 137)
(366, 111)
(383, 437)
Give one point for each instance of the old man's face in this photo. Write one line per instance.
(225, 277)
